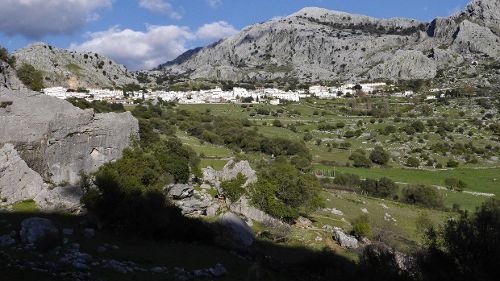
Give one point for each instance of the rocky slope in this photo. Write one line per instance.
(318, 44)
(73, 69)
(45, 139)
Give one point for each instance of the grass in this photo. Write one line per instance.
(214, 163)
(479, 180)
(74, 68)
(28, 206)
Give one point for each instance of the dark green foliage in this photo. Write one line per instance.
(282, 190)
(129, 192)
(467, 248)
(233, 189)
(360, 160)
(455, 184)
(379, 156)
(98, 106)
(30, 77)
(412, 162)
(348, 180)
(383, 187)
(452, 163)
(423, 195)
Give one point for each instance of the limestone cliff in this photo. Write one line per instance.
(318, 44)
(58, 140)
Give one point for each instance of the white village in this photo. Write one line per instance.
(272, 96)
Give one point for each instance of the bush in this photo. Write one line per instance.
(412, 162)
(423, 195)
(30, 77)
(452, 163)
(455, 184)
(348, 180)
(383, 187)
(379, 156)
(233, 189)
(361, 227)
(283, 191)
(360, 160)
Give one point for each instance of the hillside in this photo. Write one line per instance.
(317, 44)
(70, 69)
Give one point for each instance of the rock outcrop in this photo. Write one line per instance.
(8, 78)
(58, 140)
(234, 232)
(33, 230)
(230, 172)
(344, 240)
(317, 44)
(74, 69)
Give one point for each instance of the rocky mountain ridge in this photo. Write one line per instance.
(317, 44)
(72, 69)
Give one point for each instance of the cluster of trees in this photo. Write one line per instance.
(283, 191)
(384, 187)
(128, 193)
(377, 156)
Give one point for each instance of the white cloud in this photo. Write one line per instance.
(38, 18)
(160, 6)
(148, 49)
(215, 31)
(136, 49)
(214, 3)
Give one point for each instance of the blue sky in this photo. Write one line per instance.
(144, 33)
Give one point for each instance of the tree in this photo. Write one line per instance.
(283, 191)
(233, 189)
(455, 184)
(467, 248)
(412, 162)
(277, 123)
(383, 187)
(30, 77)
(360, 160)
(379, 156)
(423, 195)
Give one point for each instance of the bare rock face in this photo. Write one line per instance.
(473, 38)
(74, 69)
(230, 172)
(8, 78)
(406, 65)
(58, 140)
(234, 232)
(317, 44)
(17, 181)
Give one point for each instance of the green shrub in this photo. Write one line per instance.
(379, 156)
(361, 227)
(360, 160)
(455, 184)
(233, 189)
(30, 77)
(348, 180)
(284, 191)
(423, 195)
(452, 163)
(383, 187)
(412, 162)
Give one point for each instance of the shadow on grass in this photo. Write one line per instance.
(262, 261)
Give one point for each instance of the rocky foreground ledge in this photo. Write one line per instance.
(46, 141)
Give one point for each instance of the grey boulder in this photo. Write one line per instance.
(234, 232)
(344, 240)
(33, 230)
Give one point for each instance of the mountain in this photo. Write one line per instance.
(71, 69)
(317, 44)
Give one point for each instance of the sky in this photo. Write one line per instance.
(145, 33)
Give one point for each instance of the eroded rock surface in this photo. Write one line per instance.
(58, 140)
